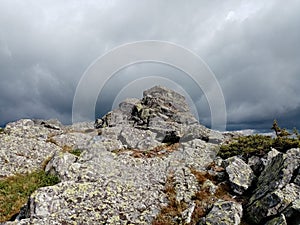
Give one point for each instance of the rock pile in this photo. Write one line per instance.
(148, 162)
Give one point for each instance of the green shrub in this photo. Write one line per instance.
(15, 190)
(246, 146)
(261, 144)
(1, 130)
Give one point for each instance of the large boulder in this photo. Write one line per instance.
(240, 174)
(161, 111)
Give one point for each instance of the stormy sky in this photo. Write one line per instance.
(252, 47)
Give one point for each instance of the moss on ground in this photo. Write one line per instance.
(15, 190)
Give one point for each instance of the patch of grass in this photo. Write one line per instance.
(15, 190)
(76, 152)
(1, 130)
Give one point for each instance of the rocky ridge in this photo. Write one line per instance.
(148, 162)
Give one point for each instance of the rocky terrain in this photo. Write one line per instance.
(148, 162)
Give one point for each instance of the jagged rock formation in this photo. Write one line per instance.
(148, 162)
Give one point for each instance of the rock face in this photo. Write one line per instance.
(147, 162)
(276, 191)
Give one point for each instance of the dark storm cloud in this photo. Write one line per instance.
(252, 47)
(256, 60)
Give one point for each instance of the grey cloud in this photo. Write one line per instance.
(252, 47)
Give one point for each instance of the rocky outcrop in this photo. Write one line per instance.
(276, 191)
(161, 111)
(148, 162)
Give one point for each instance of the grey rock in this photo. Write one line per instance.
(112, 119)
(83, 127)
(126, 189)
(128, 105)
(277, 173)
(274, 203)
(80, 202)
(240, 174)
(297, 177)
(225, 212)
(185, 183)
(195, 131)
(59, 165)
(270, 155)
(22, 155)
(210, 186)
(256, 164)
(75, 140)
(168, 98)
(195, 154)
(138, 139)
(275, 192)
(277, 221)
(25, 128)
(51, 124)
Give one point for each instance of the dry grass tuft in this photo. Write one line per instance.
(15, 190)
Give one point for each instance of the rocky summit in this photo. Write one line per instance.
(147, 162)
